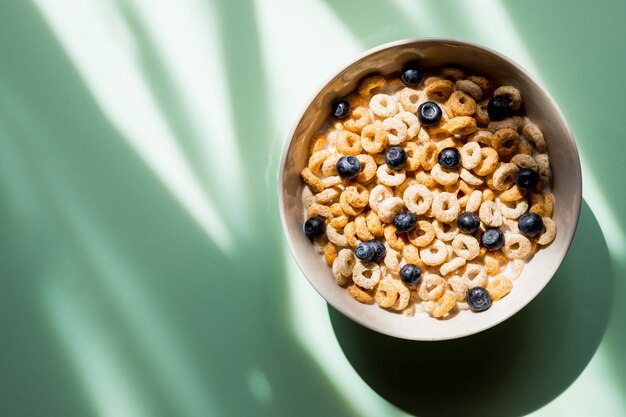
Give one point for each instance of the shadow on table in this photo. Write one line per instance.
(518, 366)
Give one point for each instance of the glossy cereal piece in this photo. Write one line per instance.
(383, 106)
(396, 130)
(370, 84)
(510, 92)
(505, 142)
(423, 234)
(439, 90)
(312, 180)
(318, 143)
(489, 214)
(434, 254)
(488, 195)
(548, 233)
(461, 125)
(359, 294)
(499, 287)
(534, 135)
(470, 88)
(488, 163)
(444, 176)
(465, 246)
(348, 143)
(330, 253)
(445, 207)
(390, 177)
(461, 104)
(548, 203)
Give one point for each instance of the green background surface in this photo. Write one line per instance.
(143, 267)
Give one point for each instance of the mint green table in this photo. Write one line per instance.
(143, 268)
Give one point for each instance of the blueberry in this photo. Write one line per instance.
(449, 158)
(410, 274)
(365, 251)
(379, 250)
(411, 75)
(526, 178)
(348, 167)
(478, 299)
(530, 224)
(468, 222)
(341, 108)
(405, 221)
(429, 113)
(499, 108)
(314, 227)
(396, 158)
(492, 239)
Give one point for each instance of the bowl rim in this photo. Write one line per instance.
(576, 171)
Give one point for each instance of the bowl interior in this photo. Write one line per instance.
(539, 107)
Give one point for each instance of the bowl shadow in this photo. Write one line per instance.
(511, 369)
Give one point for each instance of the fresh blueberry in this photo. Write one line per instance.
(478, 299)
(379, 249)
(348, 167)
(429, 113)
(341, 108)
(365, 251)
(449, 158)
(530, 224)
(499, 108)
(492, 239)
(314, 227)
(396, 158)
(526, 178)
(405, 221)
(411, 75)
(410, 274)
(468, 222)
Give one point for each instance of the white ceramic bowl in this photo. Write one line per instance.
(539, 107)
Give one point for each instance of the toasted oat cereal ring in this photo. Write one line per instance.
(533, 134)
(392, 238)
(378, 194)
(461, 104)
(409, 311)
(442, 306)
(400, 189)
(413, 156)
(429, 80)
(475, 275)
(411, 255)
(439, 90)
(388, 208)
(461, 125)
(490, 214)
(511, 225)
(392, 260)
(358, 119)
(429, 155)
(444, 176)
(335, 237)
(459, 286)
(474, 201)
(369, 84)
(366, 274)
(481, 115)
(386, 293)
(515, 123)
(340, 219)
(461, 190)
(450, 142)
(312, 180)
(423, 234)
(465, 246)
(330, 253)
(409, 99)
(404, 296)
(525, 147)
(434, 254)
(543, 169)
(481, 136)
(348, 143)
(360, 294)
(424, 178)
(499, 287)
(343, 266)
(417, 198)
(548, 233)
(357, 195)
(470, 155)
(329, 166)
(362, 231)
(524, 161)
(348, 208)
(307, 197)
(452, 265)
(374, 138)
(470, 88)
(327, 196)
(504, 176)
(516, 246)
(445, 207)
(548, 203)
(517, 266)
(445, 231)
(439, 130)
(349, 231)
(512, 194)
(319, 210)
(411, 122)
(317, 143)
(383, 105)
(482, 82)
(452, 73)
(374, 225)
(469, 178)
(396, 130)
(511, 93)
(521, 207)
(488, 195)
(488, 163)
(317, 159)
(390, 177)
(492, 265)
(432, 287)
(368, 168)
(506, 142)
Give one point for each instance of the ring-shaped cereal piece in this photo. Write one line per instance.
(481, 136)
(389, 176)
(349, 231)
(362, 231)
(488, 195)
(488, 163)
(451, 266)
(393, 260)
(417, 198)
(470, 88)
(461, 125)
(461, 104)
(429, 155)
(483, 82)
(374, 138)
(413, 156)
(388, 208)
(459, 287)
(410, 99)
(347, 207)
(396, 130)
(368, 168)
(327, 196)
(465, 246)
(444, 176)
(474, 201)
(348, 143)
(450, 142)
(470, 155)
(411, 255)
(439, 90)
(505, 142)
(400, 189)
(490, 214)
(481, 115)
(516, 246)
(533, 134)
(512, 194)
(360, 294)
(411, 122)
(452, 73)
(340, 219)
(521, 207)
(312, 180)
(366, 274)
(386, 293)
(434, 254)
(359, 118)
(329, 166)
(524, 161)
(374, 224)
(470, 178)
(548, 203)
(317, 159)
(492, 265)
(515, 123)
(548, 233)
(404, 296)
(330, 253)
(370, 84)
(343, 265)
(499, 287)
(424, 178)
(423, 234)
(335, 237)
(461, 190)
(543, 169)
(442, 306)
(392, 238)
(383, 105)
(445, 207)
(475, 275)
(319, 210)
(357, 195)
(517, 266)
(510, 92)
(443, 234)
(432, 287)
(318, 143)
(378, 194)
(504, 176)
